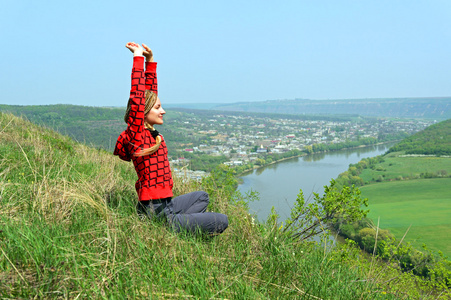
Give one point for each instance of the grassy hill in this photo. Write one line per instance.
(408, 190)
(434, 140)
(68, 229)
(95, 126)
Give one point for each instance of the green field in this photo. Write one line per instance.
(423, 204)
(397, 167)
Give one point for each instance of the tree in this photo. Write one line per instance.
(310, 219)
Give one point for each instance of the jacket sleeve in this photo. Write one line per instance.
(135, 122)
(151, 77)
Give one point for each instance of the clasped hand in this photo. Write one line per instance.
(137, 50)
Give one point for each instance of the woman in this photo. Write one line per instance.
(142, 144)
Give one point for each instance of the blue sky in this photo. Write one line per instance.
(225, 51)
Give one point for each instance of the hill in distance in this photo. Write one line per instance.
(430, 108)
(433, 140)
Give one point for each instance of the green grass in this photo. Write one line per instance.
(69, 230)
(423, 204)
(395, 167)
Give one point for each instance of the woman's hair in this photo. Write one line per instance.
(151, 98)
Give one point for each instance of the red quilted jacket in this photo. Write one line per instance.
(154, 173)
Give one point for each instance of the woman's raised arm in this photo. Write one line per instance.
(135, 48)
(151, 70)
(148, 54)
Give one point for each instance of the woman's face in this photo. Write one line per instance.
(155, 114)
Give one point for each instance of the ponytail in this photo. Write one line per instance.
(156, 135)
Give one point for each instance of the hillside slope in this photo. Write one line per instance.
(433, 140)
(68, 229)
(97, 126)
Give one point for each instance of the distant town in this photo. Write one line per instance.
(247, 139)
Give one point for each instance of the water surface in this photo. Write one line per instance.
(278, 185)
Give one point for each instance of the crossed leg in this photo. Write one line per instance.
(189, 212)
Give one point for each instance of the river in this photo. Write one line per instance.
(278, 184)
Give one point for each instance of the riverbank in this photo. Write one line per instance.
(271, 163)
(245, 172)
(278, 185)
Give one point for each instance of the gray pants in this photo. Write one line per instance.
(186, 212)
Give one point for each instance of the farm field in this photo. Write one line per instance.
(423, 203)
(397, 167)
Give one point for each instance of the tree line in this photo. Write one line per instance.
(433, 140)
